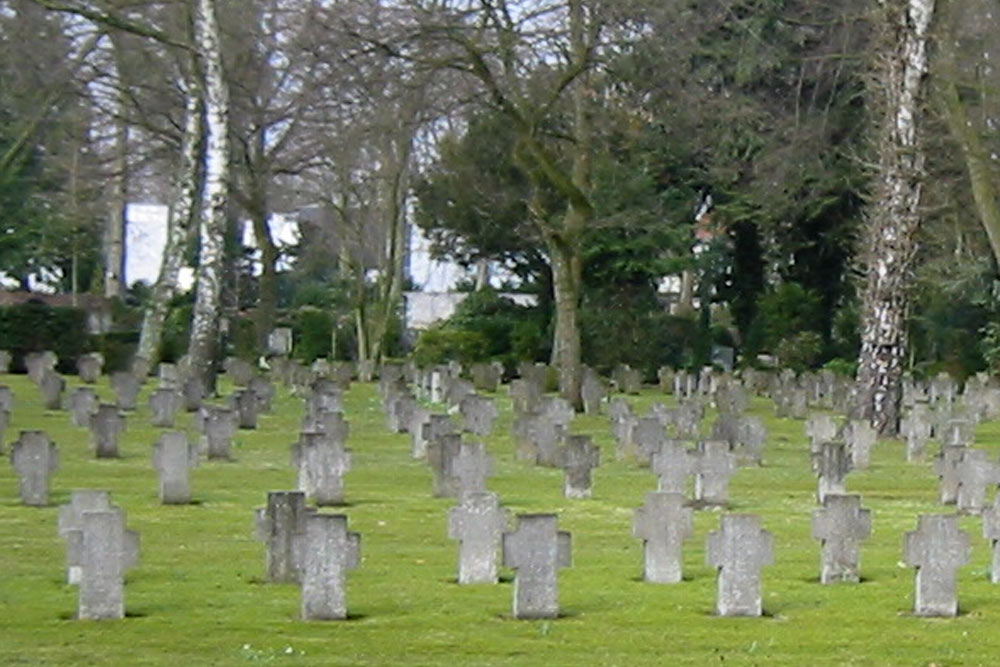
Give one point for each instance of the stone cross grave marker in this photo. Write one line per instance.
(820, 428)
(915, 427)
(714, 467)
(486, 377)
(6, 398)
(418, 445)
(478, 414)
(126, 387)
(471, 467)
(478, 522)
(840, 526)
(282, 527)
(937, 549)
(623, 422)
(106, 427)
(4, 423)
(164, 404)
(627, 380)
(592, 393)
(194, 392)
(976, 473)
(35, 458)
(665, 378)
(219, 428)
(956, 431)
(279, 342)
(833, 463)
(331, 423)
(672, 465)
(544, 436)
(536, 550)
(751, 435)
(663, 524)
(860, 438)
(38, 362)
(441, 455)
(322, 461)
(579, 457)
(71, 525)
(89, 366)
(169, 376)
(264, 391)
(244, 405)
(648, 435)
(687, 421)
(108, 550)
(991, 531)
(399, 412)
(525, 395)
(433, 427)
(52, 386)
(331, 552)
(946, 467)
(173, 458)
(239, 371)
(738, 550)
(83, 404)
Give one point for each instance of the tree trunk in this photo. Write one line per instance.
(267, 297)
(566, 277)
(114, 233)
(202, 349)
(977, 162)
(182, 212)
(894, 214)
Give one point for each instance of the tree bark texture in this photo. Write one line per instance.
(893, 218)
(182, 212)
(202, 349)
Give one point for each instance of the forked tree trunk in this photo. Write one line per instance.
(182, 212)
(894, 216)
(202, 349)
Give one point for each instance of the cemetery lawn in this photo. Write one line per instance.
(197, 596)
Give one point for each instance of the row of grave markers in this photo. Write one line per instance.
(917, 544)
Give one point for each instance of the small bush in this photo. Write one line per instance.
(442, 344)
(311, 330)
(118, 348)
(801, 351)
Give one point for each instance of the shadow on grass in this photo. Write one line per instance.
(501, 579)
(563, 613)
(129, 613)
(640, 579)
(847, 582)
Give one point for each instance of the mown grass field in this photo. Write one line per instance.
(197, 596)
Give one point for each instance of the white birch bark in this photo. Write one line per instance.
(182, 212)
(893, 219)
(205, 319)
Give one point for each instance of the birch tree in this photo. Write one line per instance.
(183, 210)
(888, 242)
(203, 343)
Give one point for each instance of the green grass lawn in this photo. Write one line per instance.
(197, 596)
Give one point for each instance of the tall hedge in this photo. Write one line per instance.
(35, 327)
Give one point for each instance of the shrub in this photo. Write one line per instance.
(118, 348)
(441, 344)
(35, 327)
(801, 351)
(311, 329)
